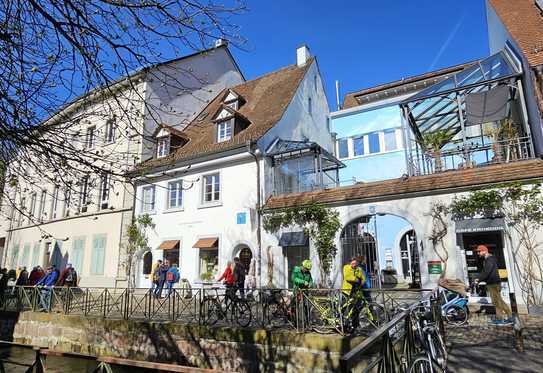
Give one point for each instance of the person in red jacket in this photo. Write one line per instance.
(228, 277)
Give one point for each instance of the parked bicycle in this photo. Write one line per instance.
(454, 309)
(225, 306)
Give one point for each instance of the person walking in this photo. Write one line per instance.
(161, 278)
(239, 276)
(46, 283)
(172, 277)
(228, 277)
(353, 278)
(490, 276)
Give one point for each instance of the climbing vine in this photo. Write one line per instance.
(438, 213)
(319, 222)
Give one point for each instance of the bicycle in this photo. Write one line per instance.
(433, 358)
(454, 309)
(227, 306)
(278, 306)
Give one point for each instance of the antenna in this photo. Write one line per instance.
(337, 94)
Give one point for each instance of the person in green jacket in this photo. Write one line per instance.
(301, 276)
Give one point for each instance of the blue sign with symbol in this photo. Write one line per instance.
(241, 218)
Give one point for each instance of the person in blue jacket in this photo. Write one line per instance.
(46, 283)
(172, 277)
(367, 283)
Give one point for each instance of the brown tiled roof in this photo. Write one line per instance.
(524, 22)
(173, 131)
(439, 183)
(266, 99)
(351, 99)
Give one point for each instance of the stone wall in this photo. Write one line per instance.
(227, 349)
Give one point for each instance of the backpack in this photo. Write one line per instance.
(69, 276)
(170, 276)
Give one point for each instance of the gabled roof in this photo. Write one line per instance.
(439, 183)
(172, 131)
(266, 99)
(402, 86)
(524, 21)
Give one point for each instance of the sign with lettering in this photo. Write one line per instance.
(434, 267)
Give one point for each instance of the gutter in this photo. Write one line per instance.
(255, 154)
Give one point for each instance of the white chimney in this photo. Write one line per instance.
(302, 55)
(220, 42)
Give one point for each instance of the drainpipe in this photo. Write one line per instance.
(255, 153)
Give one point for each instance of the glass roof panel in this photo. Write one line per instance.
(493, 67)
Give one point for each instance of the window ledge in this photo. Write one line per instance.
(152, 212)
(175, 209)
(209, 204)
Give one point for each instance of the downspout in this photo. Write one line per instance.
(255, 153)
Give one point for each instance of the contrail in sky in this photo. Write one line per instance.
(447, 42)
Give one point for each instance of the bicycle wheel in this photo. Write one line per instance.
(457, 315)
(422, 364)
(242, 313)
(210, 311)
(437, 347)
(375, 313)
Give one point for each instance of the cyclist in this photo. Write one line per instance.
(353, 278)
(301, 276)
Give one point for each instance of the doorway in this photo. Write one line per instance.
(410, 259)
(245, 256)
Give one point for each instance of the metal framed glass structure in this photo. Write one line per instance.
(475, 117)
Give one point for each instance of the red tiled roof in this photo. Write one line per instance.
(352, 99)
(266, 99)
(392, 189)
(524, 21)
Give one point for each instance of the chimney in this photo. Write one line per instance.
(302, 55)
(221, 42)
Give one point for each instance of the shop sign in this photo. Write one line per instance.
(241, 218)
(434, 267)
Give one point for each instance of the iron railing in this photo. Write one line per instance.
(303, 310)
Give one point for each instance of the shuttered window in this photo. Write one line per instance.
(98, 254)
(78, 252)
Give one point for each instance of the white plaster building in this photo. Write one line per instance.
(205, 184)
(85, 224)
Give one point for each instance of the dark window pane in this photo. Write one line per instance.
(373, 139)
(343, 150)
(358, 146)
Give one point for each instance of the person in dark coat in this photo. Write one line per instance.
(3, 284)
(239, 276)
(35, 275)
(22, 280)
(68, 277)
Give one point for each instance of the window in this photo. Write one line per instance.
(26, 255)
(67, 201)
(105, 181)
(175, 194)
(32, 211)
(390, 140)
(147, 263)
(163, 147)
(148, 200)
(224, 130)
(21, 211)
(110, 132)
(373, 140)
(54, 203)
(78, 253)
(343, 148)
(209, 264)
(36, 254)
(358, 146)
(84, 194)
(98, 254)
(232, 104)
(309, 106)
(315, 83)
(212, 188)
(41, 208)
(90, 139)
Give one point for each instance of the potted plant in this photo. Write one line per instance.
(433, 142)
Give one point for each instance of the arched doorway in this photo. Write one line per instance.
(244, 253)
(410, 258)
(147, 263)
(378, 238)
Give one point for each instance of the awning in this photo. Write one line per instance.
(168, 245)
(293, 239)
(479, 225)
(206, 243)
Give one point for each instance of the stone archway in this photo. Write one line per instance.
(243, 251)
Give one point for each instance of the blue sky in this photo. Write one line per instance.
(362, 43)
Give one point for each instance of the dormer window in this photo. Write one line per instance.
(224, 130)
(163, 146)
(232, 100)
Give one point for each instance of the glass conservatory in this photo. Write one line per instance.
(302, 166)
(474, 118)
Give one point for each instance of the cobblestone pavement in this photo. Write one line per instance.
(482, 347)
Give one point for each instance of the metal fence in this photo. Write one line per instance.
(321, 310)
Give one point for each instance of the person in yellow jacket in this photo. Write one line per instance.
(353, 278)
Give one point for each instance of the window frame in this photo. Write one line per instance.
(54, 203)
(32, 207)
(179, 198)
(346, 139)
(98, 267)
(229, 123)
(110, 132)
(213, 201)
(143, 208)
(163, 146)
(105, 188)
(41, 205)
(84, 194)
(90, 137)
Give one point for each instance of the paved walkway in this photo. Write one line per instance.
(482, 347)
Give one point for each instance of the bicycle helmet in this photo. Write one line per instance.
(307, 264)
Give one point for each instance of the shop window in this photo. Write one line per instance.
(147, 263)
(209, 264)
